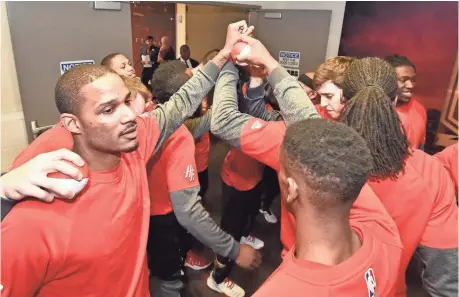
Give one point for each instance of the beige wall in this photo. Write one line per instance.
(13, 132)
(200, 36)
(180, 27)
(336, 23)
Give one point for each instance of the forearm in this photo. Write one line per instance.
(199, 126)
(254, 103)
(195, 219)
(440, 275)
(227, 122)
(185, 101)
(294, 103)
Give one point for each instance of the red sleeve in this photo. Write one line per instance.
(448, 157)
(442, 231)
(54, 139)
(26, 254)
(262, 140)
(148, 132)
(369, 210)
(181, 170)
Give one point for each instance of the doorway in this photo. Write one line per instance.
(156, 19)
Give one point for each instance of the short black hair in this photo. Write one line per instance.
(184, 46)
(168, 79)
(332, 158)
(68, 87)
(149, 37)
(399, 61)
(107, 60)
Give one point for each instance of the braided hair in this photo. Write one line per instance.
(371, 86)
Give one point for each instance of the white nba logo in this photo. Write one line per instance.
(371, 282)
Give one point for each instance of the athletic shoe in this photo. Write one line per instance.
(253, 242)
(196, 261)
(269, 216)
(227, 287)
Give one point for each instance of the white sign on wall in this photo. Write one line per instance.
(70, 64)
(289, 59)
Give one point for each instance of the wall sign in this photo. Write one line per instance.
(289, 59)
(70, 64)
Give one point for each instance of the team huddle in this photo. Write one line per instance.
(359, 198)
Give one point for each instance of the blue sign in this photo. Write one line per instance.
(289, 59)
(70, 64)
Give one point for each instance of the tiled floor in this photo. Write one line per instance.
(250, 281)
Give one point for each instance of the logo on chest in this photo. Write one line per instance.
(371, 282)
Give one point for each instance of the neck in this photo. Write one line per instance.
(325, 241)
(96, 160)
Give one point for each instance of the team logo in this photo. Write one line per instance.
(256, 125)
(189, 173)
(371, 282)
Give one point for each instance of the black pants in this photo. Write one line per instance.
(203, 177)
(167, 246)
(270, 187)
(237, 219)
(147, 74)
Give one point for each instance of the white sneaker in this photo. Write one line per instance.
(269, 216)
(253, 242)
(227, 287)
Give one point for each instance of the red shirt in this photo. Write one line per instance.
(202, 149)
(414, 120)
(423, 205)
(93, 245)
(448, 157)
(171, 169)
(366, 273)
(240, 171)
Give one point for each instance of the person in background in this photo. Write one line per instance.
(412, 114)
(321, 176)
(147, 67)
(405, 179)
(166, 52)
(328, 82)
(120, 64)
(448, 157)
(305, 80)
(185, 57)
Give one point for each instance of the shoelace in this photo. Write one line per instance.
(251, 238)
(229, 283)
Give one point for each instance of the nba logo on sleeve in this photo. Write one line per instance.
(371, 282)
(256, 125)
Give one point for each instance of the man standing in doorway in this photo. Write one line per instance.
(412, 114)
(147, 67)
(185, 57)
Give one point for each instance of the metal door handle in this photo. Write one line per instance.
(36, 130)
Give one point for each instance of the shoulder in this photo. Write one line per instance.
(55, 138)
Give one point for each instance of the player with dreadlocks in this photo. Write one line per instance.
(415, 188)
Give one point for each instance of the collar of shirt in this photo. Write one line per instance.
(187, 62)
